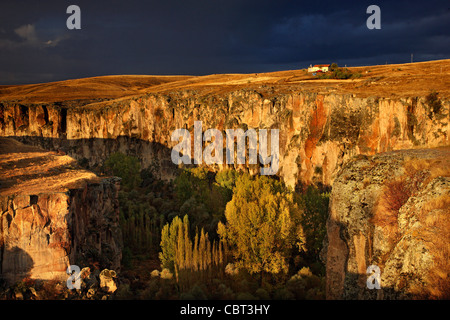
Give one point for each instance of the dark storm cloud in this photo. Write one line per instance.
(202, 37)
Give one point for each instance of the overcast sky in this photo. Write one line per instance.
(212, 36)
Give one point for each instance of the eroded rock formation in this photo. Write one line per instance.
(53, 214)
(318, 132)
(391, 210)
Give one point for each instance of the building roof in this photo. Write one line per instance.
(321, 65)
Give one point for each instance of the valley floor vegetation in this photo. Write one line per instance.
(205, 235)
(224, 235)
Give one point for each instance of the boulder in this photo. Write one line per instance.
(107, 282)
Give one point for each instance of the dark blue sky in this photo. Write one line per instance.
(212, 36)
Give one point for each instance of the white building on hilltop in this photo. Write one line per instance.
(319, 68)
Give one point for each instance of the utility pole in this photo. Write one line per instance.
(411, 58)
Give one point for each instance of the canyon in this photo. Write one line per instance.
(324, 125)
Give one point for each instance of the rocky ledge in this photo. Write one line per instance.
(54, 214)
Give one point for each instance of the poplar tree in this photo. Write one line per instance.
(187, 244)
(202, 250)
(169, 243)
(180, 255)
(195, 255)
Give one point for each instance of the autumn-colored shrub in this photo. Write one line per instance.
(397, 191)
(435, 216)
(395, 194)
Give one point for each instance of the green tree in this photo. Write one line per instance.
(169, 243)
(262, 225)
(315, 207)
(192, 183)
(227, 178)
(126, 167)
(225, 182)
(201, 198)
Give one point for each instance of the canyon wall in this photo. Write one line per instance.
(54, 214)
(319, 132)
(392, 211)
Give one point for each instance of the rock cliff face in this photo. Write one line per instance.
(53, 214)
(318, 132)
(391, 210)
